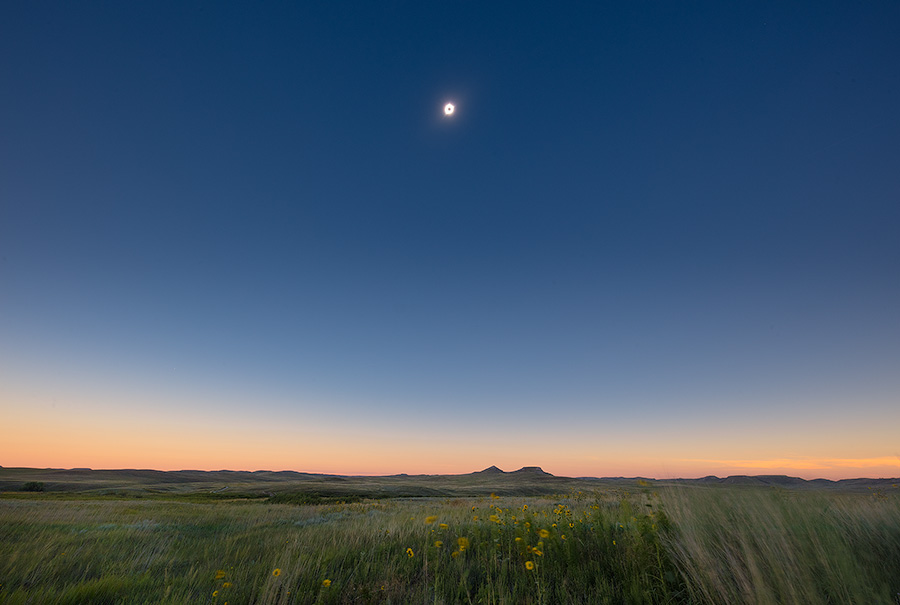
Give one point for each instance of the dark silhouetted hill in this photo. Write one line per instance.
(491, 470)
(527, 481)
(534, 471)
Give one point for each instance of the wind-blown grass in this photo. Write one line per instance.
(775, 546)
(687, 545)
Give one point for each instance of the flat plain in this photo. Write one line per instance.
(82, 536)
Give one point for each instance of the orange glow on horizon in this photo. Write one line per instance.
(204, 455)
(97, 432)
(843, 468)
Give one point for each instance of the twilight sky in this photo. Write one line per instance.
(656, 238)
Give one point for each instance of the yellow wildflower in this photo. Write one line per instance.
(524, 507)
(276, 572)
(226, 585)
(518, 539)
(494, 496)
(326, 582)
(537, 552)
(410, 553)
(454, 554)
(562, 537)
(215, 593)
(220, 574)
(544, 533)
(438, 543)
(463, 543)
(494, 518)
(443, 526)
(529, 565)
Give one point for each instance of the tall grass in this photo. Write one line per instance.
(758, 546)
(681, 546)
(570, 549)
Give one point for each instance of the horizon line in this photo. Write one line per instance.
(489, 468)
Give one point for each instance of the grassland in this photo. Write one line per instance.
(611, 543)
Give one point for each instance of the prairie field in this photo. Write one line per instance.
(612, 545)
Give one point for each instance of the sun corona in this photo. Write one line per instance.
(449, 108)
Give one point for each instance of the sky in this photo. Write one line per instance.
(655, 239)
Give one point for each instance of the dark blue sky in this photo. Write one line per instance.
(639, 211)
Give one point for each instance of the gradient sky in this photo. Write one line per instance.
(656, 238)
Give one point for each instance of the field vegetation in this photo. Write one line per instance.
(642, 544)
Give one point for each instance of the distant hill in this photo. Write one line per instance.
(525, 470)
(784, 481)
(527, 481)
(491, 470)
(532, 470)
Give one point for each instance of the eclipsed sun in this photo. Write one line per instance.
(449, 108)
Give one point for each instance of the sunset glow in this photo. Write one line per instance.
(678, 258)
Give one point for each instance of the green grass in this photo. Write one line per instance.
(672, 545)
(776, 546)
